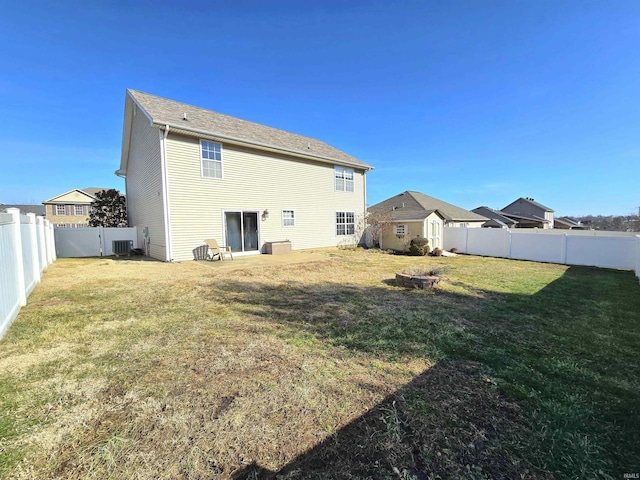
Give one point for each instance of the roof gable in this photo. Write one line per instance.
(530, 201)
(416, 205)
(187, 118)
(72, 196)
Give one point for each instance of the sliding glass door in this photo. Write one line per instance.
(241, 231)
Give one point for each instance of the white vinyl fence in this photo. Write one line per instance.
(610, 251)
(26, 249)
(91, 241)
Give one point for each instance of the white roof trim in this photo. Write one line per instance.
(52, 200)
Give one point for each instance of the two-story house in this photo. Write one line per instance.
(71, 209)
(529, 213)
(193, 174)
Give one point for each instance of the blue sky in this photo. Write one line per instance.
(473, 102)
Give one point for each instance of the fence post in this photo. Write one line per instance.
(52, 237)
(564, 248)
(638, 256)
(101, 240)
(22, 294)
(466, 240)
(510, 240)
(35, 258)
(42, 252)
(48, 241)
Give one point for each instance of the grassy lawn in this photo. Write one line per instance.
(316, 365)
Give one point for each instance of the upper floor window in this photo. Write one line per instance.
(211, 155)
(345, 223)
(344, 179)
(288, 218)
(61, 210)
(78, 210)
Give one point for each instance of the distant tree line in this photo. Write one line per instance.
(617, 223)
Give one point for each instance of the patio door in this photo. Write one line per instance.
(241, 231)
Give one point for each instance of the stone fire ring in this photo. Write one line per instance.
(417, 281)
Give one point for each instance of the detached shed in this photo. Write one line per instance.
(414, 214)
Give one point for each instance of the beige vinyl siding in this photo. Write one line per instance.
(254, 180)
(391, 242)
(144, 185)
(73, 196)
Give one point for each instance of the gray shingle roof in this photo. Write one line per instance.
(532, 202)
(416, 206)
(519, 216)
(93, 190)
(169, 112)
(569, 222)
(494, 214)
(24, 209)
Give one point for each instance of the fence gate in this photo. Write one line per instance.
(92, 241)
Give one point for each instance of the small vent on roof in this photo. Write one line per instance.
(184, 116)
(308, 145)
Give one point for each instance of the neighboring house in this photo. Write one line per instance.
(39, 210)
(568, 223)
(497, 219)
(413, 214)
(71, 209)
(529, 214)
(193, 174)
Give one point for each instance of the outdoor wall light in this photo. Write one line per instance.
(265, 214)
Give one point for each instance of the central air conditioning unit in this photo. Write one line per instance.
(122, 247)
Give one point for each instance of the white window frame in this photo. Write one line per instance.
(401, 229)
(64, 210)
(344, 179)
(346, 231)
(291, 219)
(82, 210)
(206, 143)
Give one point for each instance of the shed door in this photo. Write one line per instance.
(435, 234)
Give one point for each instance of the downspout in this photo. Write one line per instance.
(165, 190)
(121, 174)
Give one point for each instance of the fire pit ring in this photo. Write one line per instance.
(417, 280)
